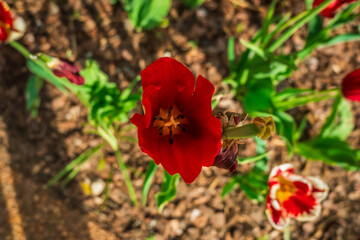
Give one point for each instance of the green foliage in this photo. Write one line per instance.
(193, 3)
(150, 173)
(74, 167)
(339, 123)
(40, 69)
(330, 145)
(146, 14)
(254, 183)
(32, 90)
(331, 151)
(105, 102)
(168, 190)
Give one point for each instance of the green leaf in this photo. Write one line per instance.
(256, 49)
(193, 3)
(268, 20)
(258, 98)
(254, 184)
(339, 123)
(299, 131)
(75, 163)
(229, 186)
(309, 14)
(292, 97)
(286, 128)
(315, 26)
(168, 190)
(32, 90)
(331, 151)
(147, 14)
(349, 37)
(231, 54)
(150, 173)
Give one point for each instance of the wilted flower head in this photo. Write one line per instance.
(227, 157)
(293, 196)
(12, 27)
(266, 126)
(67, 69)
(178, 129)
(329, 11)
(350, 86)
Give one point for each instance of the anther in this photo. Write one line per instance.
(158, 118)
(161, 131)
(170, 109)
(180, 116)
(183, 129)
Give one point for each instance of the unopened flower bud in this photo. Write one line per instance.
(67, 69)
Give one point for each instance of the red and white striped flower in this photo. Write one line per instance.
(12, 27)
(293, 196)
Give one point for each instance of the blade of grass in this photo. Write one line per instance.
(150, 173)
(302, 21)
(82, 158)
(126, 177)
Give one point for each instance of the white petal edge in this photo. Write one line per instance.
(19, 26)
(283, 222)
(283, 168)
(315, 212)
(319, 184)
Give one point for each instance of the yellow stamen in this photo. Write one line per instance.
(286, 190)
(170, 122)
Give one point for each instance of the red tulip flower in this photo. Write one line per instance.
(64, 68)
(178, 129)
(350, 86)
(329, 11)
(12, 27)
(293, 196)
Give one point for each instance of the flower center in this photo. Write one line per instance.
(170, 122)
(286, 190)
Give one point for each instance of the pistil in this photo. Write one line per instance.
(170, 122)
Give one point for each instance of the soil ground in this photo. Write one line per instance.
(32, 151)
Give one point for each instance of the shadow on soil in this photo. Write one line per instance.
(37, 152)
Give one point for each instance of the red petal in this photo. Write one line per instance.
(329, 11)
(299, 204)
(5, 14)
(149, 139)
(275, 217)
(198, 106)
(170, 78)
(3, 34)
(350, 86)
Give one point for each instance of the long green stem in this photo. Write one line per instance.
(126, 177)
(20, 48)
(310, 14)
(245, 131)
(287, 232)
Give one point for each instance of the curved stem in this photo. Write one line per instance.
(126, 177)
(287, 232)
